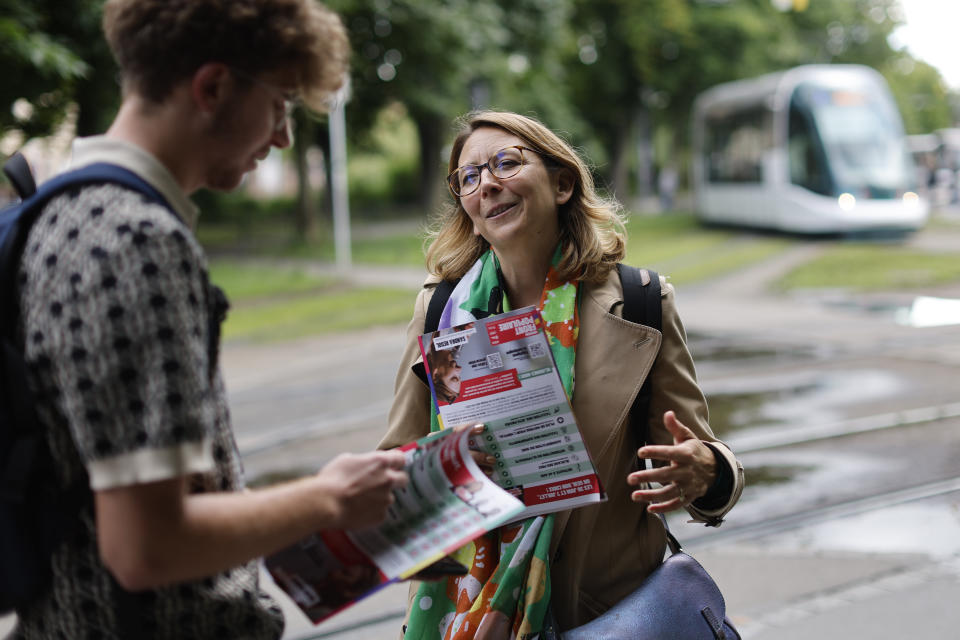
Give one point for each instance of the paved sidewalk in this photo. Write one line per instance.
(848, 579)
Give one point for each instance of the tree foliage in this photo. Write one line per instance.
(442, 59)
(53, 56)
(619, 59)
(613, 75)
(637, 66)
(920, 92)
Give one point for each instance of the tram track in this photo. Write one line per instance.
(766, 438)
(824, 513)
(727, 535)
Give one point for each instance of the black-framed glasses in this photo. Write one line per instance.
(504, 164)
(288, 99)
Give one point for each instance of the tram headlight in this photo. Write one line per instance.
(911, 200)
(847, 202)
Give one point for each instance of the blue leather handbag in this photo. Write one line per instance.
(678, 601)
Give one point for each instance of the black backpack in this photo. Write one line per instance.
(641, 305)
(34, 513)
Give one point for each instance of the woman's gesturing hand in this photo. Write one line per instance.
(691, 469)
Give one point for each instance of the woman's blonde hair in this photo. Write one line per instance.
(592, 235)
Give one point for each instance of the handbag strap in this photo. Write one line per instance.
(641, 304)
(672, 541)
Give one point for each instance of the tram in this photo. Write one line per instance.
(814, 149)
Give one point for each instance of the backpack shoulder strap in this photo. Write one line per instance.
(96, 173)
(641, 305)
(15, 228)
(641, 295)
(17, 170)
(439, 300)
(431, 322)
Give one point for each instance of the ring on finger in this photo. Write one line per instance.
(682, 497)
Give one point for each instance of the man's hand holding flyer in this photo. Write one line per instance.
(448, 502)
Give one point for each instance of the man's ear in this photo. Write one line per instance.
(210, 86)
(565, 184)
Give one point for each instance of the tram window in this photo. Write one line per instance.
(807, 164)
(735, 146)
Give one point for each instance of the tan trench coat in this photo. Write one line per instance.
(601, 552)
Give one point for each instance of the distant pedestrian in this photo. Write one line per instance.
(667, 181)
(119, 322)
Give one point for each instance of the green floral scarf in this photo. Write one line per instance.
(507, 590)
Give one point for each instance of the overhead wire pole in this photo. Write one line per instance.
(338, 178)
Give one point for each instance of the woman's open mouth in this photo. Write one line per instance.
(500, 210)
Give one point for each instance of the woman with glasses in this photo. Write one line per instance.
(526, 227)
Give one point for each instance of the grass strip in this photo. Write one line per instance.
(677, 246)
(273, 241)
(326, 311)
(244, 280)
(272, 302)
(873, 268)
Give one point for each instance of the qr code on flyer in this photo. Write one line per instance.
(535, 350)
(494, 360)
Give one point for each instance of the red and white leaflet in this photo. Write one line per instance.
(500, 371)
(448, 502)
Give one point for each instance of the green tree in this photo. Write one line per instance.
(306, 211)
(40, 70)
(920, 93)
(529, 72)
(751, 37)
(637, 67)
(54, 57)
(441, 59)
(414, 52)
(616, 64)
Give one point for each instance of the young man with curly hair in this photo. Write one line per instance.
(117, 314)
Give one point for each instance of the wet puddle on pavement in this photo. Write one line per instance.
(793, 398)
(921, 312)
(782, 389)
(929, 312)
(707, 349)
(930, 527)
(769, 475)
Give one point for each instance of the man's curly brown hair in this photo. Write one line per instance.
(158, 43)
